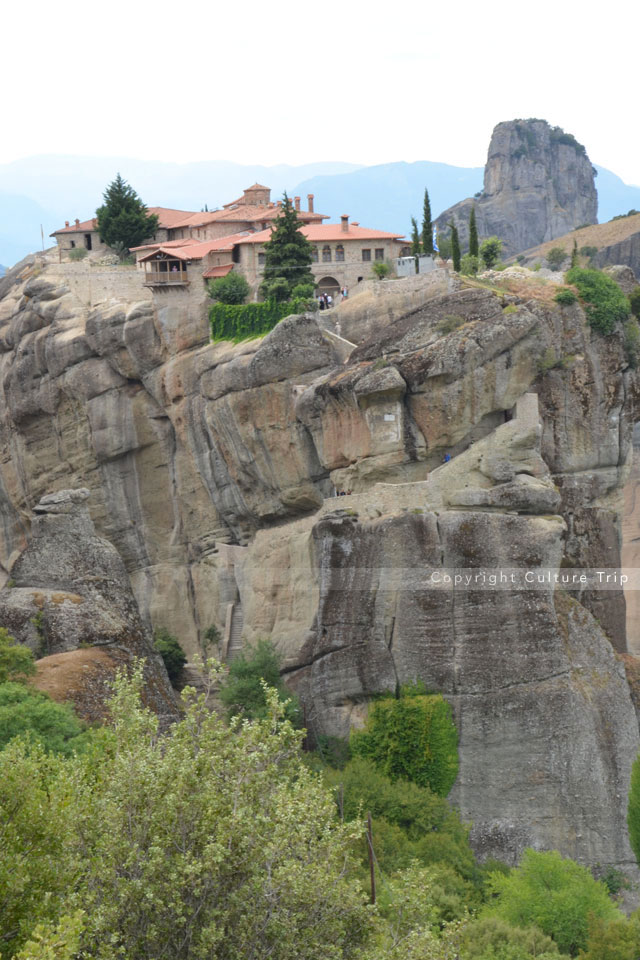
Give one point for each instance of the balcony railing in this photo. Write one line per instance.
(165, 278)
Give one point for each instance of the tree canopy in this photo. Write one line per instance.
(123, 219)
(288, 256)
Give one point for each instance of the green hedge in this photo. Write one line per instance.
(238, 322)
(412, 737)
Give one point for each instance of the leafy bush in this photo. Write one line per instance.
(78, 253)
(381, 270)
(557, 894)
(16, 660)
(211, 639)
(565, 297)
(412, 737)
(634, 302)
(230, 289)
(302, 291)
(605, 303)
(172, 654)
(469, 265)
(24, 711)
(409, 821)
(490, 938)
(237, 322)
(631, 341)
(556, 256)
(449, 323)
(617, 939)
(588, 251)
(243, 690)
(490, 251)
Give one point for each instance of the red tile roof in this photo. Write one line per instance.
(190, 249)
(328, 232)
(221, 271)
(167, 218)
(244, 213)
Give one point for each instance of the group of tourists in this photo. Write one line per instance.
(325, 300)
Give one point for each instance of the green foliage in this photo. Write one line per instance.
(520, 258)
(574, 255)
(16, 660)
(123, 217)
(588, 251)
(605, 303)
(243, 692)
(172, 654)
(381, 269)
(490, 250)
(623, 216)
(509, 309)
(335, 751)
(412, 737)
(550, 360)
(490, 938)
(444, 246)
(455, 248)
(416, 245)
(557, 895)
(618, 939)
(302, 291)
(427, 229)
(633, 809)
(634, 302)
(556, 256)
(78, 253)
(25, 711)
(230, 289)
(241, 322)
(449, 323)
(631, 341)
(559, 136)
(288, 256)
(474, 250)
(469, 265)
(59, 941)
(565, 297)
(211, 640)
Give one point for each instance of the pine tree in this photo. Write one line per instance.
(123, 220)
(427, 229)
(455, 248)
(287, 256)
(473, 233)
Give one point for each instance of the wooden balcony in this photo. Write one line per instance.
(165, 278)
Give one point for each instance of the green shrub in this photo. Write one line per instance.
(211, 639)
(302, 291)
(335, 751)
(490, 938)
(240, 322)
(565, 297)
(24, 711)
(411, 737)
(617, 939)
(469, 265)
(556, 894)
(556, 256)
(16, 660)
(172, 654)
(78, 253)
(605, 303)
(277, 288)
(243, 690)
(490, 251)
(381, 270)
(230, 289)
(449, 323)
(520, 258)
(634, 302)
(631, 341)
(587, 251)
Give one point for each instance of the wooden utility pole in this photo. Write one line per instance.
(371, 863)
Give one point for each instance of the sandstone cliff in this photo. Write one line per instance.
(538, 184)
(212, 468)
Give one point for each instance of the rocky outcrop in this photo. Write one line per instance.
(538, 185)
(212, 467)
(69, 590)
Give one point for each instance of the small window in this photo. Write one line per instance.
(340, 253)
(73, 243)
(262, 259)
(326, 254)
(314, 254)
(366, 254)
(379, 253)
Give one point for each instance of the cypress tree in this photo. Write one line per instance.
(427, 229)
(574, 255)
(287, 256)
(416, 246)
(473, 233)
(455, 248)
(123, 220)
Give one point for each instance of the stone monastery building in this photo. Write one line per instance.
(189, 248)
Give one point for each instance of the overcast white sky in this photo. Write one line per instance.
(289, 82)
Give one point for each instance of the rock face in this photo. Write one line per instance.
(69, 589)
(212, 469)
(538, 185)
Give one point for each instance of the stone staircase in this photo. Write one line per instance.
(234, 646)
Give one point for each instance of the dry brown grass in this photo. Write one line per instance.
(597, 235)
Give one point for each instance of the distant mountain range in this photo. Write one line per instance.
(47, 190)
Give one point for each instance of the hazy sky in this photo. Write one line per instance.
(286, 82)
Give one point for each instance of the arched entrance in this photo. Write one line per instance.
(328, 285)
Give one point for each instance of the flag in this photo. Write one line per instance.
(435, 241)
